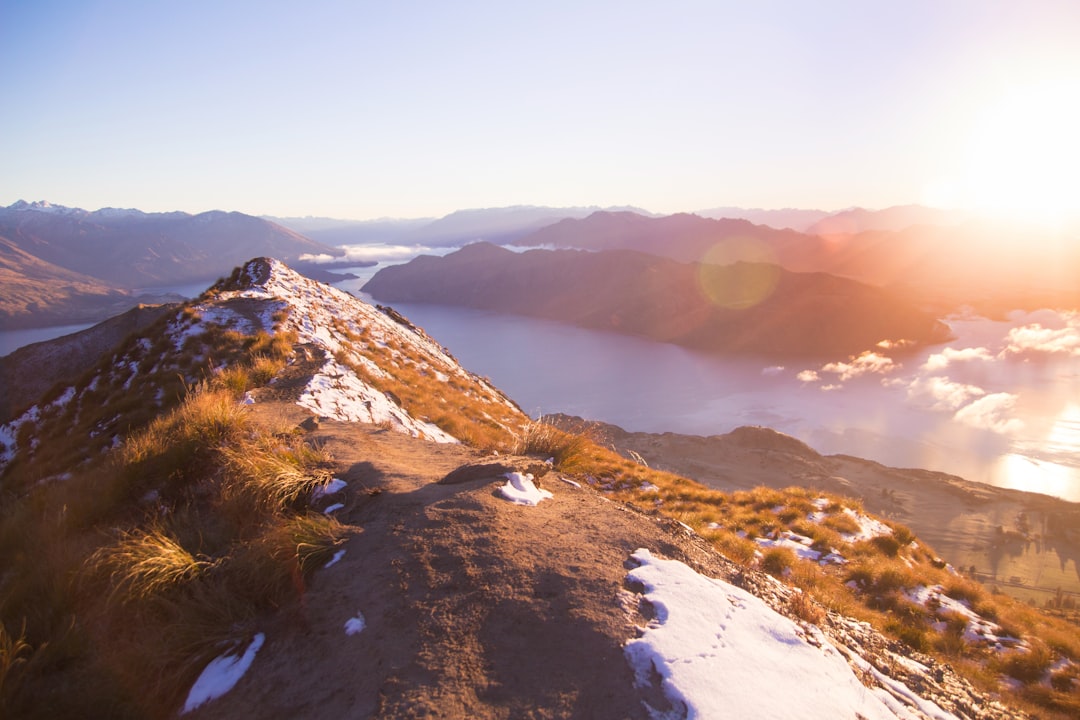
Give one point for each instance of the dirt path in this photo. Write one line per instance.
(474, 607)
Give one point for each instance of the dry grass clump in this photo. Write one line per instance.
(568, 450)
(777, 561)
(213, 529)
(146, 563)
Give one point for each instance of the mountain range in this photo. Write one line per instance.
(742, 307)
(61, 265)
(277, 500)
(990, 266)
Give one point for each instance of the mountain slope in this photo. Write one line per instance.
(744, 307)
(932, 256)
(36, 292)
(28, 372)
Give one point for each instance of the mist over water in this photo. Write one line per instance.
(999, 404)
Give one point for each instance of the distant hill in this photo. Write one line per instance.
(334, 232)
(39, 293)
(745, 307)
(61, 265)
(132, 249)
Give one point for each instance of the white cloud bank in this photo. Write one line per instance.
(1037, 338)
(991, 412)
(948, 356)
(868, 363)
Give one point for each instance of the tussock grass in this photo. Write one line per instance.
(569, 450)
(185, 535)
(146, 563)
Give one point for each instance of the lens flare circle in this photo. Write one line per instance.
(738, 273)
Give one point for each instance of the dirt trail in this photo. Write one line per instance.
(474, 607)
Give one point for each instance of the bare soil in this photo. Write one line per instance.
(478, 608)
(474, 607)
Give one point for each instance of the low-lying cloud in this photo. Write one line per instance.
(868, 363)
(991, 412)
(376, 253)
(941, 393)
(1038, 338)
(948, 356)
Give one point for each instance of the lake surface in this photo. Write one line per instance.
(1000, 404)
(12, 340)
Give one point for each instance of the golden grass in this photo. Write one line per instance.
(214, 530)
(145, 563)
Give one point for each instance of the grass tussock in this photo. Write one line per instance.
(187, 534)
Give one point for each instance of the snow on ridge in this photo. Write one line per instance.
(716, 650)
(337, 393)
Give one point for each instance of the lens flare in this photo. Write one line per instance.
(738, 273)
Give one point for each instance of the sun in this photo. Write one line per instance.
(1023, 155)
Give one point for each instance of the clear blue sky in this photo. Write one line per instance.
(367, 109)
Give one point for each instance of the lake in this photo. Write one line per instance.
(999, 404)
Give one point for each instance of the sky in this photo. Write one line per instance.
(416, 109)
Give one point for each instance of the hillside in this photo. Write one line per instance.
(279, 501)
(1018, 541)
(736, 308)
(28, 372)
(38, 293)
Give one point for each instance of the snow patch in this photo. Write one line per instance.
(334, 560)
(520, 490)
(328, 488)
(715, 650)
(221, 675)
(355, 624)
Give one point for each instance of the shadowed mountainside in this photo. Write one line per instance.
(742, 307)
(28, 372)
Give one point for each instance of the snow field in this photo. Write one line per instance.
(719, 652)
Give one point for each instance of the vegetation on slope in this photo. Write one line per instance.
(199, 523)
(891, 580)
